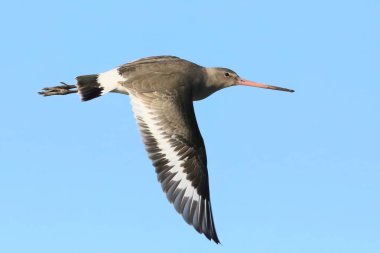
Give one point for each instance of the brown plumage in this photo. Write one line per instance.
(162, 90)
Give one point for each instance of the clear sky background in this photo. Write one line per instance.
(288, 172)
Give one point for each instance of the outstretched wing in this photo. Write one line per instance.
(171, 136)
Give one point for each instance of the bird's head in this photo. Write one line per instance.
(223, 77)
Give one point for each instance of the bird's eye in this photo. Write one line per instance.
(226, 74)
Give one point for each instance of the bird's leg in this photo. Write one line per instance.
(63, 89)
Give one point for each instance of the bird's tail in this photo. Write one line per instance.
(89, 87)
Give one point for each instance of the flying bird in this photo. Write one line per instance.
(162, 90)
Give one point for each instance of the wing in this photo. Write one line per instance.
(171, 136)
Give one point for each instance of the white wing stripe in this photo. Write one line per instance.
(146, 115)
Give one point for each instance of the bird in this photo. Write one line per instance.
(162, 90)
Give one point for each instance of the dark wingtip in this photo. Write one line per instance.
(212, 237)
(216, 240)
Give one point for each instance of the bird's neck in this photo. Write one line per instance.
(207, 85)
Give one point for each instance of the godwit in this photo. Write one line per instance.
(162, 90)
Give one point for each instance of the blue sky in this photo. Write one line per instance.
(288, 172)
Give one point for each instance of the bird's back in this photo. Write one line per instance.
(160, 73)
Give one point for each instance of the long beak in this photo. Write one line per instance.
(261, 85)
